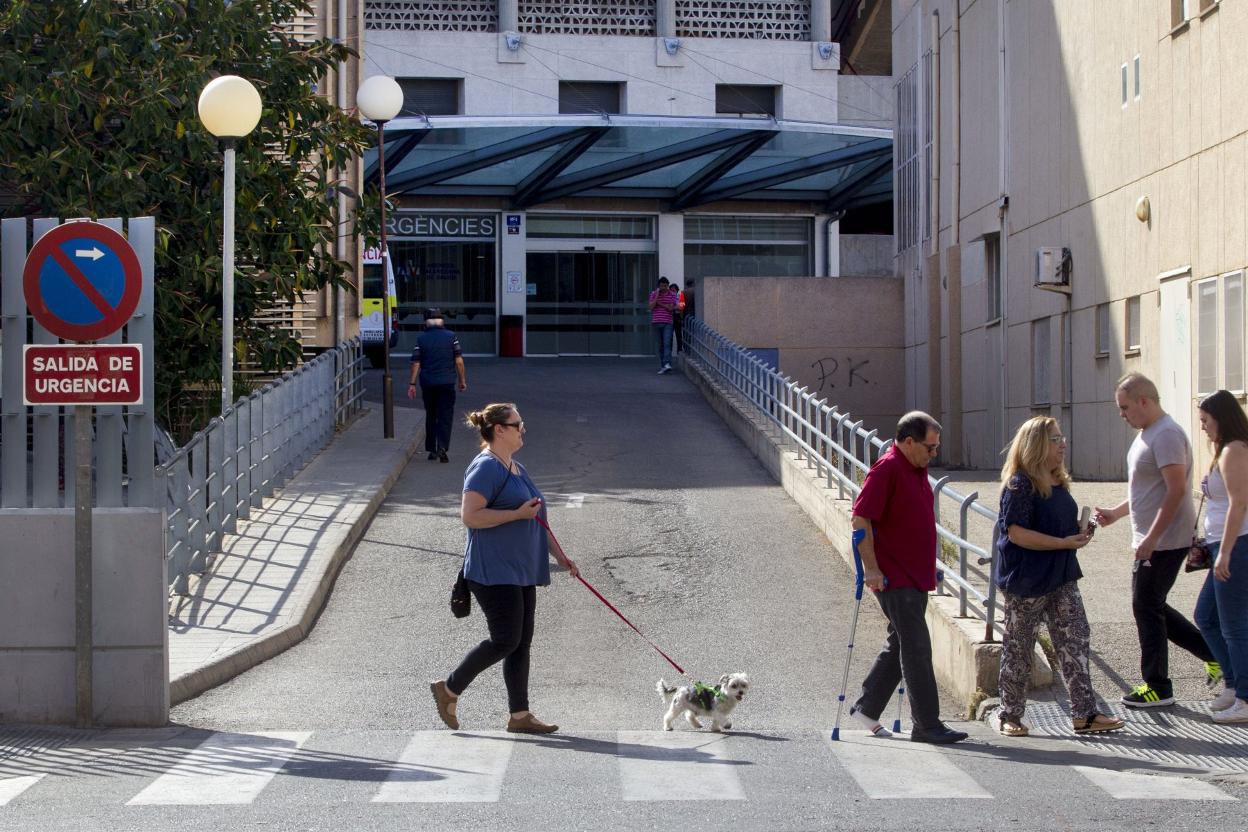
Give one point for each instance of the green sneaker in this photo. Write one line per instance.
(1146, 696)
(1214, 672)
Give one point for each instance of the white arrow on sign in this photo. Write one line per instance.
(93, 253)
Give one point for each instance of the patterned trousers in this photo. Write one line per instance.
(1062, 610)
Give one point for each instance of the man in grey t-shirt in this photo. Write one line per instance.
(1159, 487)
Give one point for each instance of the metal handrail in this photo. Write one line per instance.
(841, 450)
(253, 448)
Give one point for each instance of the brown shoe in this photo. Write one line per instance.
(529, 724)
(445, 700)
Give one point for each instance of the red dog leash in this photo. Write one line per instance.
(611, 606)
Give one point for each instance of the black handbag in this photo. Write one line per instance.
(461, 597)
(1198, 555)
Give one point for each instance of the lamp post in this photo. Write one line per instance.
(229, 108)
(380, 98)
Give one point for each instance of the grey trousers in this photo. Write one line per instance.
(907, 653)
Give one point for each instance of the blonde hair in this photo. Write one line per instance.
(1027, 454)
(487, 417)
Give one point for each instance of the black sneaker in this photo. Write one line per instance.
(1147, 696)
(433, 454)
(443, 457)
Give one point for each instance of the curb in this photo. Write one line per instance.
(964, 664)
(263, 648)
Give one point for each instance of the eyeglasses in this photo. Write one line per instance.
(932, 447)
(517, 425)
(1058, 439)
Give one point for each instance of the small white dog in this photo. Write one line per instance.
(701, 700)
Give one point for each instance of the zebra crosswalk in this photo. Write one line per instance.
(488, 767)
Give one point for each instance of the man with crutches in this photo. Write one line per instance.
(895, 512)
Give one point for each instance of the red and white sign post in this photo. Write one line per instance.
(81, 282)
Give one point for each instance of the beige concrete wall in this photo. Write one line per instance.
(839, 337)
(1076, 161)
(866, 255)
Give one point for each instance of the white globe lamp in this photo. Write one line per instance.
(229, 108)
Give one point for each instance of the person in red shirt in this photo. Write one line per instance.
(895, 510)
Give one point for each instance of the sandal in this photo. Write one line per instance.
(1097, 724)
(1013, 728)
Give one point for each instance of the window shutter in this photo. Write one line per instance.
(430, 96)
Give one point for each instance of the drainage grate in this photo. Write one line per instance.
(1182, 735)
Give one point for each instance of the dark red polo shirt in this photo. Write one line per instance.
(897, 499)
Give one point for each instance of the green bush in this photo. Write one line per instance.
(98, 119)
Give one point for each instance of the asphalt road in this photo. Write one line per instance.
(671, 518)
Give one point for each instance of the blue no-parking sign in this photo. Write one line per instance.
(82, 281)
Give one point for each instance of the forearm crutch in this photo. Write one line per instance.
(858, 535)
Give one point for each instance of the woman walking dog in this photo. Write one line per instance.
(1038, 574)
(506, 559)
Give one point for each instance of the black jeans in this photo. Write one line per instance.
(907, 652)
(509, 613)
(1156, 621)
(439, 402)
(678, 329)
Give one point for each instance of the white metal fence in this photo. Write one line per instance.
(231, 465)
(836, 444)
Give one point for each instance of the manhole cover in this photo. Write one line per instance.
(1182, 735)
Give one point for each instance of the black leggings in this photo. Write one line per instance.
(509, 613)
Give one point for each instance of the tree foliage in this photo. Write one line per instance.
(98, 119)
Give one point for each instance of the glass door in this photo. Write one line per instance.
(590, 303)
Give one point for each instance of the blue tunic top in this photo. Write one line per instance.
(518, 552)
(1031, 573)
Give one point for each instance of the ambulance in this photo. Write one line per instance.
(372, 308)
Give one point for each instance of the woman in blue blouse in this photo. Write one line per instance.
(1038, 534)
(506, 559)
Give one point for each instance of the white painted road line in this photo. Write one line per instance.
(223, 769)
(1129, 785)
(892, 769)
(677, 765)
(11, 787)
(575, 501)
(441, 767)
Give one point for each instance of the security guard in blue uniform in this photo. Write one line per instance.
(437, 363)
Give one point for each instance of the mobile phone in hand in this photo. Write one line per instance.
(1085, 520)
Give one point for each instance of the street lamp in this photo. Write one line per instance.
(380, 98)
(229, 108)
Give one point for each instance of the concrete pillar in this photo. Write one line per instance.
(508, 15)
(671, 241)
(665, 19)
(130, 633)
(514, 275)
(512, 258)
(820, 20)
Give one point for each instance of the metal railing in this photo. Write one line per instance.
(231, 465)
(839, 447)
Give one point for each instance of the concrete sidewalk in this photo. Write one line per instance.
(263, 594)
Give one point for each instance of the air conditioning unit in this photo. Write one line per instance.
(1053, 269)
